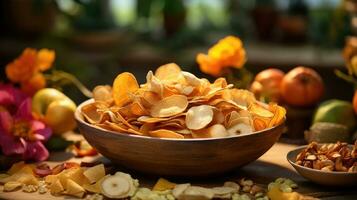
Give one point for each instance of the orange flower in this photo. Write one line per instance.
(228, 52)
(26, 70)
(35, 83)
(22, 68)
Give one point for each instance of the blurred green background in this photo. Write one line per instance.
(97, 39)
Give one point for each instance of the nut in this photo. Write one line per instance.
(94, 197)
(244, 182)
(311, 157)
(255, 190)
(29, 188)
(353, 169)
(246, 188)
(328, 157)
(42, 187)
(327, 169)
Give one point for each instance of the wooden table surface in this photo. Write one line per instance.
(267, 168)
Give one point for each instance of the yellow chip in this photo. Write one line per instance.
(163, 184)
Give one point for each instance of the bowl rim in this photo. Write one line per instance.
(299, 149)
(79, 118)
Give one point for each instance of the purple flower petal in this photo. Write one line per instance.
(37, 125)
(24, 110)
(45, 133)
(11, 95)
(6, 98)
(6, 121)
(40, 129)
(10, 145)
(36, 151)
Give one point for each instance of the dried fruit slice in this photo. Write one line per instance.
(73, 189)
(260, 124)
(115, 186)
(119, 186)
(170, 71)
(279, 114)
(16, 167)
(199, 117)
(215, 131)
(95, 188)
(191, 79)
(124, 84)
(163, 184)
(121, 128)
(95, 173)
(154, 84)
(91, 114)
(164, 133)
(196, 192)
(138, 109)
(103, 93)
(239, 129)
(146, 127)
(11, 186)
(56, 188)
(259, 110)
(149, 98)
(169, 106)
(242, 97)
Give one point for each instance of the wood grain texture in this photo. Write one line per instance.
(179, 157)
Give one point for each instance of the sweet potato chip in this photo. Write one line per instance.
(191, 79)
(90, 113)
(256, 109)
(177, 104)
(102, 93)
(260, 124)
(154, 84)
(124, 84)
(164, 133)
(279, 114)
(170, 71)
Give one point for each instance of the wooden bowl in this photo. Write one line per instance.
(322, 177)
(178, 157)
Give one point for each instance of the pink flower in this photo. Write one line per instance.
(20, 133)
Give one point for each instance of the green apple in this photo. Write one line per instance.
(56, 109)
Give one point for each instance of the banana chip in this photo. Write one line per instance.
(177, 104)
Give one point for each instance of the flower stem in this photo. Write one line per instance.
(346, 77)
(61, 75)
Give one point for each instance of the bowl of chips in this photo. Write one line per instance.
(178, 124)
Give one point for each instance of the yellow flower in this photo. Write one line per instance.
(228, 52)
(27, 69)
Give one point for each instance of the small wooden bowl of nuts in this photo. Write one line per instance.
(332, 164)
